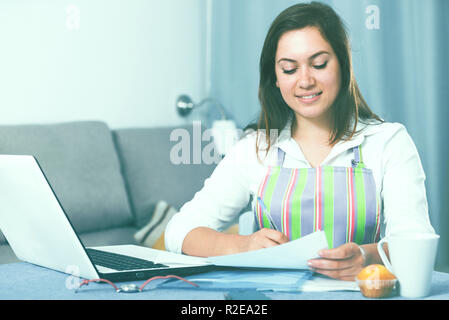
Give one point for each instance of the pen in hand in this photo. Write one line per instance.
(264, 208)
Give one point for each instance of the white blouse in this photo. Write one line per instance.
(387, 150)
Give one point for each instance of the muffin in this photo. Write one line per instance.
(375, 281)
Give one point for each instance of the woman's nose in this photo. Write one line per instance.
(305, 80)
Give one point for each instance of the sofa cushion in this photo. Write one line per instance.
(150, 174)
(81, 164)
(109, 237)
(2, 238)
(7, 255)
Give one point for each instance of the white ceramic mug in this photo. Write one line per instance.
(412, 257)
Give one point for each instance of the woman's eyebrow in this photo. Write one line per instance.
(313, 56)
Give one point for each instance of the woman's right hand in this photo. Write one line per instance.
(264, 238)
(206, 242)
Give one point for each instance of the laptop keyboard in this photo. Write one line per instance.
(120, 262)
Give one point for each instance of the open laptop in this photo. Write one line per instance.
(39, 232)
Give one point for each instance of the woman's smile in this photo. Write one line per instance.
(309, 98)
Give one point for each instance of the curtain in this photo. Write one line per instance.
(400, 55)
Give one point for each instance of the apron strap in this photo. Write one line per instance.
(357, 162)
(281, 157)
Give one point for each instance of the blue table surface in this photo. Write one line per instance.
(24, 281)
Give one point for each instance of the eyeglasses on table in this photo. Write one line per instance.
(131, 288)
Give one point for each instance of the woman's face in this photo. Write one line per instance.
(307, 73)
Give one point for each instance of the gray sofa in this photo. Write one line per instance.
(108, 181)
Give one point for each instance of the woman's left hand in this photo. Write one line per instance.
(343, 263)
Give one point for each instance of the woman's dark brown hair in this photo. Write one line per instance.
(349, 103)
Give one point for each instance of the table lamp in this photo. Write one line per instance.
(224, 131)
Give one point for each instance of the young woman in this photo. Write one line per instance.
(318, 159)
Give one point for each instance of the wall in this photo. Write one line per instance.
(123, 62)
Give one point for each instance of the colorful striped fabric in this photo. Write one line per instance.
(341, 201)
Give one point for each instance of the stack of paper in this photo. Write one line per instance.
(287, 261)
(318, 283)
(290, 255)
(276, 280)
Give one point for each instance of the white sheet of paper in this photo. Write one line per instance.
(320, 283)
(290, 255)
(181, 259)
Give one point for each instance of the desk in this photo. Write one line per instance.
(30, 282)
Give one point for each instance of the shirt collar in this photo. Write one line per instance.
(285, 142)
(285, 134)
(289, 145)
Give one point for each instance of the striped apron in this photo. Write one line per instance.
(341, 201)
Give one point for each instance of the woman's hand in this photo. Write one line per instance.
(206, 242)
(343, 263)
(264, 238)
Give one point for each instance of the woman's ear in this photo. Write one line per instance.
(277, 84)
